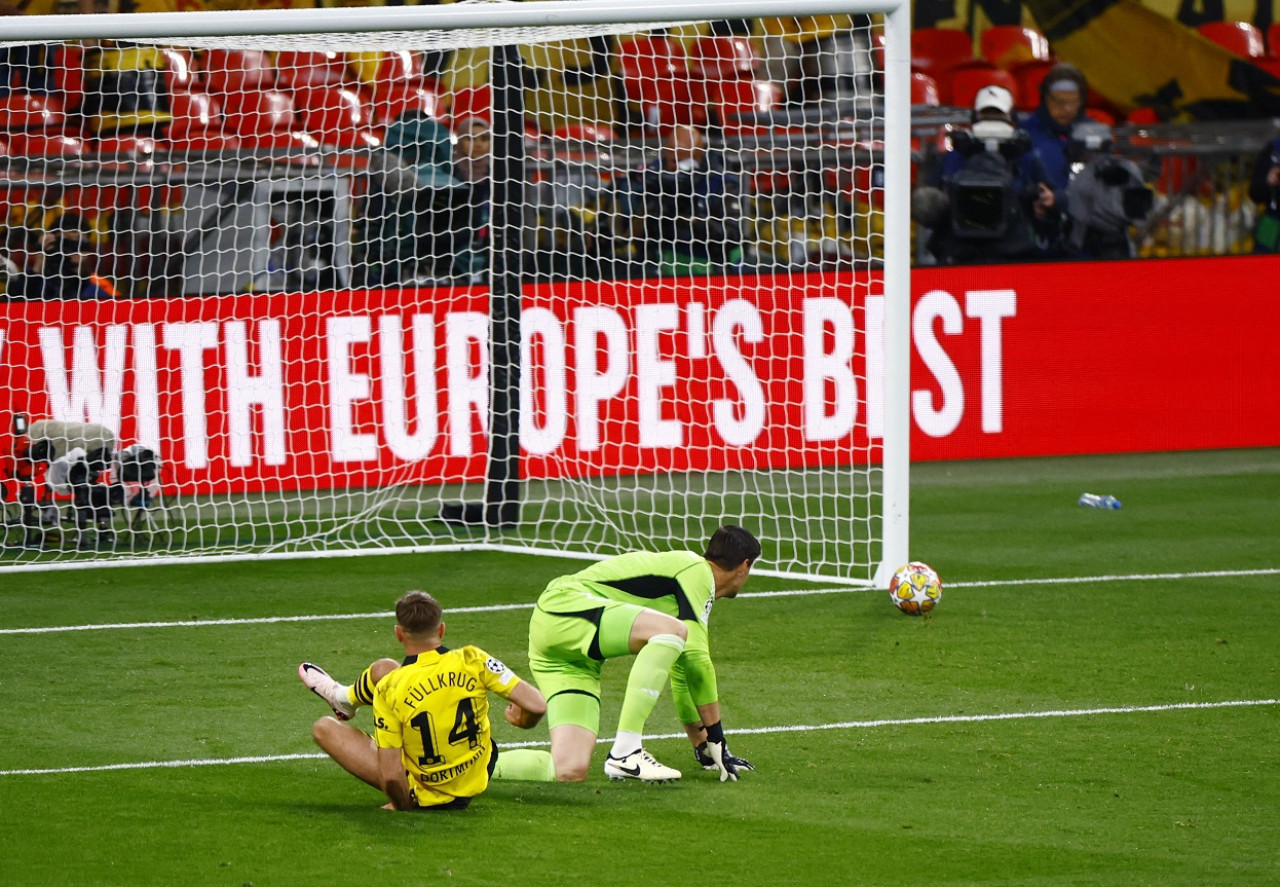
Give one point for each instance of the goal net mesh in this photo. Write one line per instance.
(255, 289)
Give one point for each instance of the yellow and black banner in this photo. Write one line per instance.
(1138, 58)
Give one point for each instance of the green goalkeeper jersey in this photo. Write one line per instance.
(677, 583)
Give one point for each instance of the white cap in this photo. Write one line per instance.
(994, 97)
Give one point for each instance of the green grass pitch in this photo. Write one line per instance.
(1115, 729)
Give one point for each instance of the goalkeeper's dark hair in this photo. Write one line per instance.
(418, 613)
(730, 546)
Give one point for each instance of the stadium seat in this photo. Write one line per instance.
(935, 51)
(45, 144)
(68, 75)
(1007, 46)
(232, 70)
(125, 147)
(193, 112)
(388, 104)
(22, 110)
(297, 69)
(717, 57)
(924, 89)
(737, 102)
(962, 84)
(1029, 76)
(471, 101)
(178, 73)
(1100, 115)
(337, 117)
(200, 142)
(656, 79)
(258, 111)
(294, 139)
(1241, 38)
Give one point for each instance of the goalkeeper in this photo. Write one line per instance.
(655, 607)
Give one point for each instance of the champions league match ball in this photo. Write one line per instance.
(915, 589)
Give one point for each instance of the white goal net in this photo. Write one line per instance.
(496, 275)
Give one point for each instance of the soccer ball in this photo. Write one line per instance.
(915, 589)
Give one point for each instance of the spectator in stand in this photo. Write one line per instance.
(990, 200)
(469, 227)
(428, 210)
(63, 269)
(1264, 190)
(686, 209)
(1063, 95)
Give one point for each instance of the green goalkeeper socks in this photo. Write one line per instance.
(648, 677)
(529, 764)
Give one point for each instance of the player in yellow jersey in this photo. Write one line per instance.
(431, 747)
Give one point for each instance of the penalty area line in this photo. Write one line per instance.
(749, 731)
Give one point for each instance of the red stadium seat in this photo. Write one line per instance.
(233, 70)
(193, 112)
(1008, 46)
(1029, 77)
(178, 73)
(737, 102)
(937, 50)
(338, 117)
(286, 139)
(132, 147)
(1100, 115)
(475, 101)
(924, 89)
(964, 84)
(22, 110)
(45, 144)
(199, 141)
(296, 69)
(68, 75)
(388, 104)
(656, 79)
(716, 57)
(258, 111)
(1241, 38)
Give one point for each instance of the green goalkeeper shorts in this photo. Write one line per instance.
(571, 634)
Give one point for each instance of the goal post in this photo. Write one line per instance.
(564, 277)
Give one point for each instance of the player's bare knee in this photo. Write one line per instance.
(679, 629)
(382, 668)
(571, 772)
(322, 730)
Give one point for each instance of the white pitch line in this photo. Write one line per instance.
(840, 725)
(496, 608)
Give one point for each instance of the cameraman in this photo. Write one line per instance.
(1105, 198)
(1264, 190)
(991, 201)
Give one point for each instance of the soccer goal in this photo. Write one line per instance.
(558, 277)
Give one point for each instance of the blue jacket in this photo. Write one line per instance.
(1049, 143)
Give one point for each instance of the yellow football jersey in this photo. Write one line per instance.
(435, 709)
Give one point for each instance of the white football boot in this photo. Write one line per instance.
(318, 682)
(639, 765)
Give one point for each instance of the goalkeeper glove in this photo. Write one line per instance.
(704, 759)
(715, 751)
